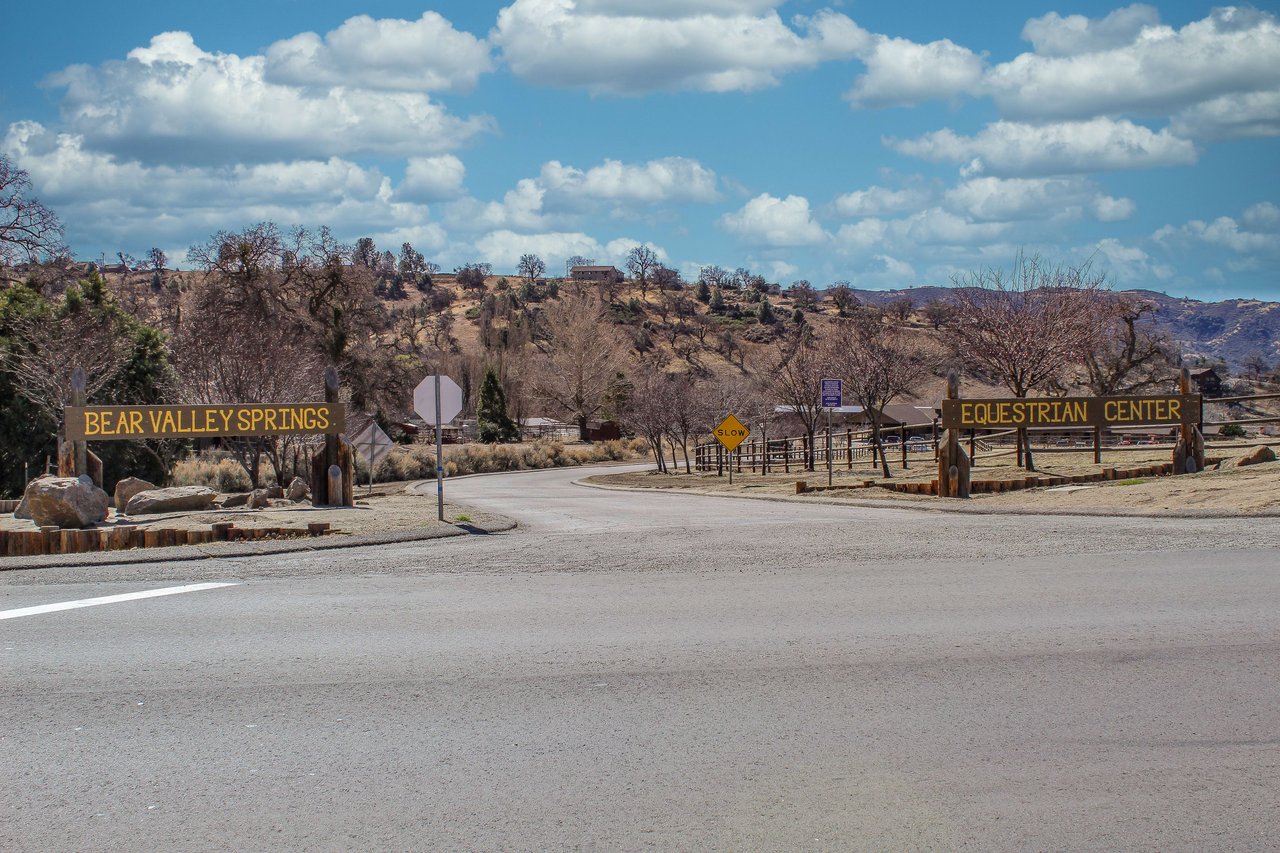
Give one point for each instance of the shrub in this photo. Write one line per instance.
(418, 461)
(223, 475)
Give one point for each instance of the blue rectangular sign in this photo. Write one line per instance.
(832, 393)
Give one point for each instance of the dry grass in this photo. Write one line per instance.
(1249, 490)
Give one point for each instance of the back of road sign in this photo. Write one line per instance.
(424, 400)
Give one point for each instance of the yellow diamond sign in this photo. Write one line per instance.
(731, 432)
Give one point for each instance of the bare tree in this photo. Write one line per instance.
(938, 312)
(222, 356)
(648, 409)
(531, 267)
(47, 347)
(472, 276)
(877, 365)
(842, 296)
(1025, 329)
(802, 293)
(1256, 364)
(641, 261)
(1132, 356)
(28, 229)
(794, 377)
(900, 309)
(157, 259)
(580, 356)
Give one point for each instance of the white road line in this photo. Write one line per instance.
(108, 599)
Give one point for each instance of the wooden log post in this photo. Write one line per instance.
(79, 449)
(330, 456)
(1188, 452)
(347, 462)
(334, 481)
(953, 464)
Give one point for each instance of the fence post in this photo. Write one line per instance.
(1188, 452)
(902, 439)
(953, 464)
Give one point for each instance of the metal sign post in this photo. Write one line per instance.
(832, 398)
(438, 399)
(731, 432)
(439, 456)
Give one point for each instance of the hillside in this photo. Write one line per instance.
(1228, 331)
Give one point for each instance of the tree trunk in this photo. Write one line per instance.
(582, 428)
(879, 447)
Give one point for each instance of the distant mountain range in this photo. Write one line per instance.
(1228, 331)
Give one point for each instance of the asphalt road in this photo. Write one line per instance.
(658, 671)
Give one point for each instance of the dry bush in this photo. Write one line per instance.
(418, 461)
(220, 474)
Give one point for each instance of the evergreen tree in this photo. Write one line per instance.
(765, 314)
(491, 414)
(717, 301)
(703, 292)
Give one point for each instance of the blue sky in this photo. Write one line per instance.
(886, 144)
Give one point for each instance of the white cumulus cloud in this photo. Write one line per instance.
(622, 48)
(902, 72)
(877, 201)
(1017, 149)
(1158, 71)
(111, 201)
(423, 55)
(668, 179)
(775, 222)
(432, 178)
(1005, 199)
(1055, 35)
(172, 101)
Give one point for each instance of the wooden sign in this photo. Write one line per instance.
(1064, 412)
(115, 423)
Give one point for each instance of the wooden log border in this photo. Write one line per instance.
(54, 540)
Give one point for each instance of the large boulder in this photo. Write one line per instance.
(1257, 455)
(260, 498)
(174, 499)
(234, 500)
(298, 490)
(65, 502)
(128, 487)
(24, 509)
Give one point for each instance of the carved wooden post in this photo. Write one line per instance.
(320, 488)
(79, 449)
(953, 463)
(1188, 453)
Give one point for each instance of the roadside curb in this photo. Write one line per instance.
(261, 548)
(961, 508)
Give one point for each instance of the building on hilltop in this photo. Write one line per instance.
(606, 274)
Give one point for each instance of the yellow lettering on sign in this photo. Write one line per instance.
(92, 423)
(135, 422)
